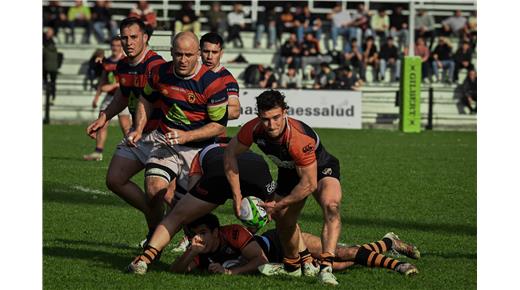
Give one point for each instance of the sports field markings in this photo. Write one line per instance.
(89, 190)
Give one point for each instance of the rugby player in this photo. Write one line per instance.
(304, 167)
(109, 85)
(232, 249)
(131, 74)
(208, 188)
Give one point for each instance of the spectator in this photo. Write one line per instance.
(443, 58)
(469, 92)
(51, 64)
(236, 22)
(341, 24)
(79, 15)
(399, 27)
(142, 10)
(423, 52)
(380, 24)
(424, 26)
(266, 19)
(95, 67)
(290, 53)
(291, 79)
(217, 19)
(361, 22)
(354, 58)
(311, 55)
(187, 20)
(268, 79)
(472, 29)
(455, 25)
(305, 22)
(325, 78)
(463, 58)
(101, 19)
(285, 21)
(347, 80)
(370, 58)
(55, 16)
(389, 57)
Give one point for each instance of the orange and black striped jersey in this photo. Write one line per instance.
(299, 145)
(233, 239)
(109, 66)
(188, 103)
(132, 79)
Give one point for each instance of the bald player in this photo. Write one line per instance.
(194, 105)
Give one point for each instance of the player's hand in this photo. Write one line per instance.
(197, 245)
(132, 138)
(216, 268)
(237, 202)
(94, 104)
(96, 125)
(176, 136)
(270, 208)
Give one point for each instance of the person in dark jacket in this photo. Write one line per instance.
(469, 92)
(463, 58)
(51, 64)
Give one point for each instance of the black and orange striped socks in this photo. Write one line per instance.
(380, 246)
(373, 259)
(326, 260)
(149, 254)
(291, 264)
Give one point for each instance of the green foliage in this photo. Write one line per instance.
(421, 186)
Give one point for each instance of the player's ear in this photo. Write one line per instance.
(145, 38)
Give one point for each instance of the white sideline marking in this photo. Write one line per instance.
(90, 190)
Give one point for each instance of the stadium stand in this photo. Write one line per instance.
(73, 102)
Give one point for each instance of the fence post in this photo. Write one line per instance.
(429, 126)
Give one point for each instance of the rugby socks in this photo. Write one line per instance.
(99, 150)
(305, 257)
(149, 254)
(380, 246)
(372, 259)
(326, 260)
(291, 264)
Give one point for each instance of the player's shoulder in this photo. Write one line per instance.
(298, 129)
(236, 235)
(152, 59)
(253, 126)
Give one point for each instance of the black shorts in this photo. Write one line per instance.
(288, 178)
(271, 245)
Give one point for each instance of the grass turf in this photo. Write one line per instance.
(421, 186)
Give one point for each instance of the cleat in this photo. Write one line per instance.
(310, 270)
(403, 248)
(327, 278)
(138, 266)
(94, 156)
(272, 269)
(182, 246)
(407, 269)
(143, 243)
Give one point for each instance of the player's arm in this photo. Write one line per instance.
(231, 153)
(116, 106)
(233, 108)
(307, 185)
(143, 111)
(185, 263)
(255, 256)
(102, 81)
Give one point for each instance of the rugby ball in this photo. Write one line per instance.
(251, 214)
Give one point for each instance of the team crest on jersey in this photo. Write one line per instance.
(327, 171)
(308, 148)
(136, 82)
(123, 81)
(191, 98)
(164, 92)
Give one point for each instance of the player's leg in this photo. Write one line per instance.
(101, 137)
(369, 258)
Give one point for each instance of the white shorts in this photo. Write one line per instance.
(106, 102)
(140, 153)
(170, 161)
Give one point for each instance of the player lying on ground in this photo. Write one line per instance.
(232, 249)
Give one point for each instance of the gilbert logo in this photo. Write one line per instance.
(308, 148)
(327, 171)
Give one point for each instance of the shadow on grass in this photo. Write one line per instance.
(450, 255)
(96, 244)
(63, 158)
(63, 193)
(392, 224)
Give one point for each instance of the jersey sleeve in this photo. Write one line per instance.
(302, 149)
(245, 135)
(231, 86)
(237, 236)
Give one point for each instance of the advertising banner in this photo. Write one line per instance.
(411, 95)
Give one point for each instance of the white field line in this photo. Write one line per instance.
(89, 190)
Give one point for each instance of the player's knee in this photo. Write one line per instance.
(158, 178)
(332, 210)
(113, 182)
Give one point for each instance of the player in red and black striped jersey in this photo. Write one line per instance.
(108, 84)
(209, 188)
(304, 167)
(131, 73)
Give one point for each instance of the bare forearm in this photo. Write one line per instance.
(231, 170)
(117, 105)
(250, 267)
(206, 132)
(182, 264)
(299, 192)
(143, 112)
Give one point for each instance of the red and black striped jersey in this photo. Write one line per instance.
(132, 79)
(230, 81)
(109, 66)
(233, 239)
(188, 103)
(299, 145)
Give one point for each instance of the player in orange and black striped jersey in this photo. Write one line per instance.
(304, 166)
(131, 73)
(230, 249)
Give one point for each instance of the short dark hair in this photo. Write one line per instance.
(131, 21)
(210, 220)
(115, 38)
(212, 37)
(270, 99)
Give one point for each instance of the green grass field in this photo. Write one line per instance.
(421, 186)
